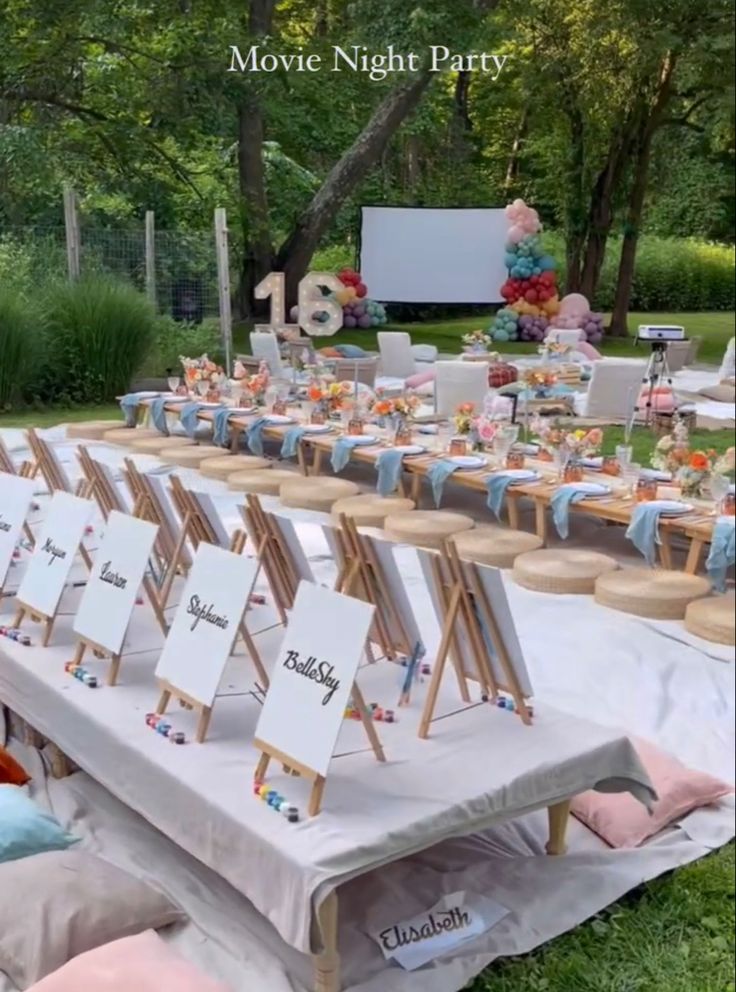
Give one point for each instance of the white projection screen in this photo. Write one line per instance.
(427, 255)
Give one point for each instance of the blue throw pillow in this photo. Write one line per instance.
(25, 828)
(351, 351)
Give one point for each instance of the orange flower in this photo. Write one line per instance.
(315, 394)
(382, 407)
(699, 461)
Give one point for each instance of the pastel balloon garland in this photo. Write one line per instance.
(357, 309)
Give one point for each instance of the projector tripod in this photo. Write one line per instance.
(657, 371)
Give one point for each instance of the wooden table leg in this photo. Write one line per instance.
(512, 506)
(665, 550)
(693, 556)
(558, 816)
(540, 514)
(327, 964)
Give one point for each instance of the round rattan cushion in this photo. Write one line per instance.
(92, 430)
(713, 618)
(425, 528)
(368, 510)
(316, 493)
(224, 466)
(152, 445)
(127, 435)
(497, 546)
(188, 456)
(658, 593)
(561, 570)
(259, 482)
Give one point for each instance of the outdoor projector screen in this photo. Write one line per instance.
(426, 255)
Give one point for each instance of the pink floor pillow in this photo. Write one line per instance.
(144, 963)
(662, 399)
(420, 379)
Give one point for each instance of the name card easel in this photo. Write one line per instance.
(16, 496)
(24, 472)
(47, 463)
(48, 569)
(109, 598)
(312, 681)
(478, 633)
(204, 631)
(202, 520)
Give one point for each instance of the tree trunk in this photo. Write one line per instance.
(575, 221)
(512, 167)
(296, 252)
(462, 93)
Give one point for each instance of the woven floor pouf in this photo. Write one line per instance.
(92, 430)
(657, 593)
(713, 618)
(368, 510)
(316, 492)
(426, 528)
(188, 456)
(152, 445)
(259, 482)
(561, 570)
(223, 466)
(497, 546)
(127, 435)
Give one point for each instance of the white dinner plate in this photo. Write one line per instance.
(653, 473)
(520, 475)
(671, 507)
(208, 406)
(592, 490)
(592, 463)
(410, 449)
(279, 418)
(360, 440)
(468, 461)
(317, 428)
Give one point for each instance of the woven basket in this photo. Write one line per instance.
(425, 528)
(561, 570)
(368, 510)
(712, 618)
(661, 423)
(316, 492)
(260, 482)
(496, 546)
(223, 466)
(656, 593)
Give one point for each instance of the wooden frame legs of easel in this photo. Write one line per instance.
(205, 712)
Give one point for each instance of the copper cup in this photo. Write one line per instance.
(611, 465)
(279, 408)
(573, 473)
(355, 427)
(515, 459)
(458, 446)
(317, 417)
(403, 436)
(729, 505)
(646, 490)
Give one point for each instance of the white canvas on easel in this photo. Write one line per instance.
(206, 624)
(209, 509)
(384, 553)
(16, 495)
(462, 648)
(117, 574)
(56, 547)
(298, 558)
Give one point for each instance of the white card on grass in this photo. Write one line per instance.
(16, 494)
(206, 623)
(53, 556)
(119, 566)
(313, 676)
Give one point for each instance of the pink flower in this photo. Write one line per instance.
(486, 430)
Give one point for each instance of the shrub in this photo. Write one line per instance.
(19, 345)
(98, 334)
(175, 338)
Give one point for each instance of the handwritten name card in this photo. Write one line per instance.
(15, 500)
(119, 567)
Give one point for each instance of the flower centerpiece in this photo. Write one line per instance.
(201, 374)
(672, 451)
(562, 445)
(477, 341)
(328, 397)
(464, 418)
(540, 382)
(398, 411)
(255, 386)
(554, 351)
(701, 469)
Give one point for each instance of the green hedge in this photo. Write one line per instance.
(19, 345)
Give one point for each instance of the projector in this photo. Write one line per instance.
(660, 332)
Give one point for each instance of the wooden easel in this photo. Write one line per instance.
(169, 691)
(25, 472)
(318, 781)
(273, 553)
(199, 527)
(466, 609)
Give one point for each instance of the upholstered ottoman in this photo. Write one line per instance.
(658, 593)
(92, 430)
(316, 492)
(127, 435)
(497, 546)
(561, 570)
(188, 456)
(152, 445)
(260, 482)
(368, 510)
(426, 528)
(713, 618)
(223, 466)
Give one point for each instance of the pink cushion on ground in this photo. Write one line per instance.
(663, 400)
(622, 821)
(587, 349)
(143, 963)
(419, 378)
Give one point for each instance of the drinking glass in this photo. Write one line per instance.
(624, 454)
(630, 473)
(442, 442)
(719, 486)
(173, 382)
(561, 456)
(203, 386)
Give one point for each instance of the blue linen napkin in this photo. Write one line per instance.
(158, 414)
(643, 531)
(388, 465)
(722, 551)
(497, 486)
(438, 474)
(560, 504)
(292, 437)
(341, 451)
(129, 405)
(219, 425)
(254, 435)
(188, 417)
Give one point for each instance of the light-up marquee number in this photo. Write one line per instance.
(310, 304)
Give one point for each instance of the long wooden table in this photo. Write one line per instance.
(695, 527)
